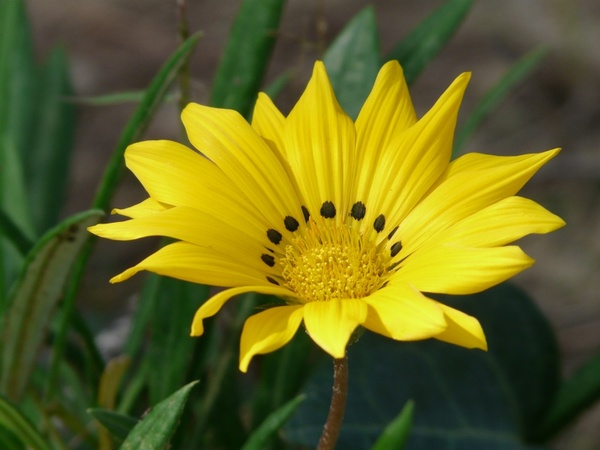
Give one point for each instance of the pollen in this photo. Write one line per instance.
(333, 261)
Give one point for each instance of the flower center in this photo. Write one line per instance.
(333, 262)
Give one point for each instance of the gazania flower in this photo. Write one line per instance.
(348, 223)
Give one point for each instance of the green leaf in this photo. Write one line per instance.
(353, 60)
(156, 428)
(13, 420)
(496, 94)
(394, 436)
(141, 118)
(35, 295)
(118, 425)
(10, 230)
(425, 41)
(48, 158)
(260, 438)
(576, 394)
(247, 53)
(465, 399)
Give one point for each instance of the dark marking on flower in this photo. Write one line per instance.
(328, 210)
(358, 210)
(393, 266)
(379, 223)
(395, 249)
(306, 213)
(392, 233)
(273, 281)
(269, 260)
(270, 249)
(384, 285)
(291, 224)
(274, 236)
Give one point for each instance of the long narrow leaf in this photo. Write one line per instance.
(10, 230)
(246, 55)
(13, 420)
(34, 297)
(118, 425)
(496, 94)
(424, 42)
(396, 433)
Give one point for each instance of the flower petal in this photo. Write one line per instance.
(229, 141)
(444, 269)
(401, 312)
(462, 329)
(320, 146)
(331, 323)
(387, 111)
(196, 264)
(216, 302)
(415, 159)
(268, 331)
(269, 123)
(473, 182)
(145, 208)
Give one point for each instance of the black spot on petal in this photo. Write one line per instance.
(395, 249)
(391, 235)
(328, 210)
(379, 223)
(306, 213)
(273, 281)
(291, 224)
(274, 236)
(394, 265)
(358, 210)
(384, 285)
(268, 259)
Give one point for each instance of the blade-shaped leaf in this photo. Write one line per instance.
(425, 41)
(246, 55)
(267, 430)
(118, 425)
(35, 295)
(353, 60)
(156, 428)
(396, 433)
(495, 95)
(465, 399)
(13, 420)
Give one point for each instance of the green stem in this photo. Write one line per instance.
(333, 426)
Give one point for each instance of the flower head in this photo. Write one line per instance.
(349, 223)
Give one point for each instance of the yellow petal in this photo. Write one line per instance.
(230, 142)
(268, 331)
(403, 313)
(268, 122)
(192, 263)
(501, 223)
(387, 111)
(145, 208)
(331, 323)
(216, 302)
(320, 146)
(462, 330)
(460, 270)
(472, 183)
(414, 160)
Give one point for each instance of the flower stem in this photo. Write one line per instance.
(333, 426)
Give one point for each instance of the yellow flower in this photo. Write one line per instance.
(349, 223)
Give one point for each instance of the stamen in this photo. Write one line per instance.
(274, 236)
(358, 210)
(328, 210)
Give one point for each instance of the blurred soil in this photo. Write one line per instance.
(118, 45)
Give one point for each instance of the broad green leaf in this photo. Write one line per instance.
(118, 425)
(35, 295)
(48, 158)
(425, 41)
(247, 53)
(260, 438)
(133, 131)
(465, 399)
(394, 436)
(495, 95)
(156, 428)
(12, 419)
(353, 60)
(575, 395)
